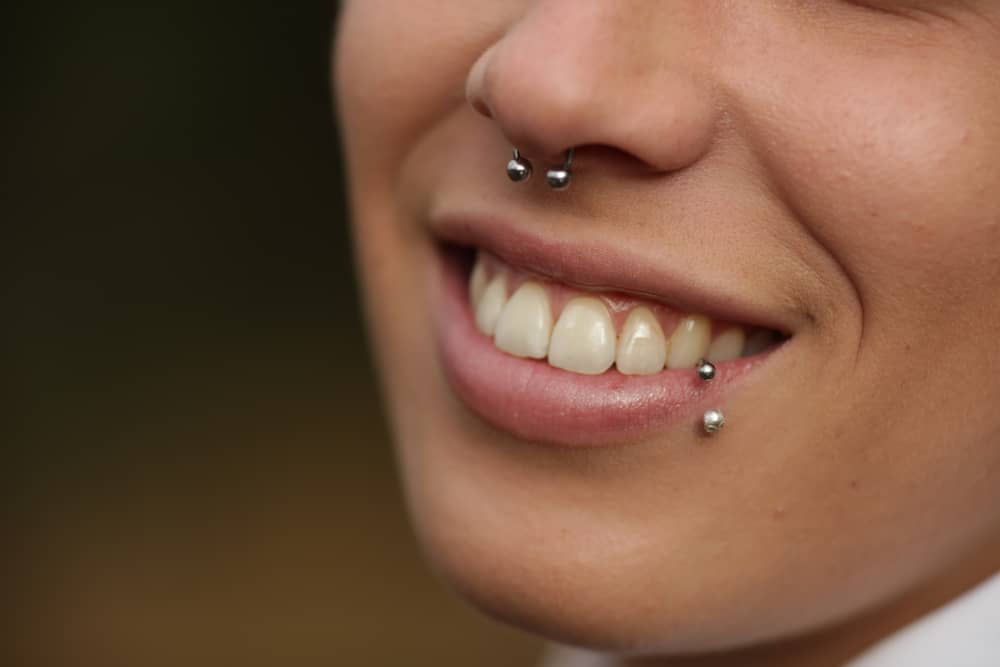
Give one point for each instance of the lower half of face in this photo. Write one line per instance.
(833, 251)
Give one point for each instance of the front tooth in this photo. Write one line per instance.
(583, 340)
(477, 281)
(491, 303)
(689, 342)
(757, 342)
(727, 346)
(525, 324)
(642, 347)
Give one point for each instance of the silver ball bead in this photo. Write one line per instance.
(519, 170)
(714, 420)
(558, 178)
(706, 369)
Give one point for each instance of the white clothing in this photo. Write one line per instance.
(964, 632)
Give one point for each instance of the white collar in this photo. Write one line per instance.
(964, 632)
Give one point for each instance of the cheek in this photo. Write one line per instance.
(887, 164)
(400, 68)
(368, 81)
(890, 167)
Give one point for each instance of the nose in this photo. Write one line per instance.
(628, 75)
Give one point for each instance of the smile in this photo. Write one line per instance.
(591, 332)
(533, 346)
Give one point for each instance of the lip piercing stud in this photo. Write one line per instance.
(713, 421)
(559, 177)
(519, 168)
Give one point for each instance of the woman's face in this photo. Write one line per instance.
(824, 170)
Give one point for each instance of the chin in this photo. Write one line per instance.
(578, 546)
(587, 578)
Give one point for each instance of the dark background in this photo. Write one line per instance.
(195, 471)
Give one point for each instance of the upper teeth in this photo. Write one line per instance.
(491, 303)
(525, 323)
(642, 347)
(689, 342)
(583, 339)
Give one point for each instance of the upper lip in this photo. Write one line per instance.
(603, 266)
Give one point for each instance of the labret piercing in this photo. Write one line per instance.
(519, 169)
(713, 420)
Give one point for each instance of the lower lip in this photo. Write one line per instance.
(534, 401)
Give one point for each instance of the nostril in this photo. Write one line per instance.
(475, 85)
(480, 106)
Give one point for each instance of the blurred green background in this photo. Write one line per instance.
(196, 470)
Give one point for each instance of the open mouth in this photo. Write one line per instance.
(561, 361)
(593, 332)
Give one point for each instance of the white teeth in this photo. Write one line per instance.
(490, 304)
(727, 346)
(689, 342)
(525, 323)
(642, 347)
(583, 340)
(477, 281)
(757, 342)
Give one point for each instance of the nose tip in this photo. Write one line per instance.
(530, 107)
(552, 83)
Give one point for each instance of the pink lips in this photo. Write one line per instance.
(537, 402)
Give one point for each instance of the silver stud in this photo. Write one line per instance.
(713, 421)
(519, 168)
(706, 370)
(559, 177)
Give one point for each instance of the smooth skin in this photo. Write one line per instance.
(840, 159)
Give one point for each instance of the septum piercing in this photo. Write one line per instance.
(519, 169)
(559, 177)
(713, 420)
